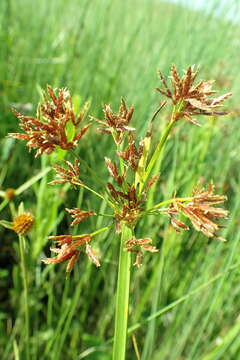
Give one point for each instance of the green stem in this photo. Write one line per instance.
(122, 298)
(91, 171)
(25, 294)
(167, 202)
(157, 151)
(100, 230)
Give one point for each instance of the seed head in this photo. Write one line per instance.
(79, 215)
(69, 250)
(200, 210)
(194, 99)
(23, 223)
(69, 175)
(137, 245)
(48, 129)
(116, 124)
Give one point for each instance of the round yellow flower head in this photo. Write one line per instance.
(23, 223)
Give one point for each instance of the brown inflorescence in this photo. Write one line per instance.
(69, 250)
(70, 175)
(48, 129)
(22, 223)
(131, 155)
(200, 210)
(192, 99)
(79, 215)
(118, 123)
(137, 245)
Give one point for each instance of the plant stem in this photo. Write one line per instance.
(91, 171)
(167, 202)
(25, 293)
(122, 298)
(157, 152)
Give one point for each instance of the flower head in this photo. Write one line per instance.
(131, 155)
(49, 129)
(192, 99)
(79, 215)
(137, 245)
(23, 223)
(69, 175)
(10, 194)
(69, 250)
(117, 123)
(200, 210)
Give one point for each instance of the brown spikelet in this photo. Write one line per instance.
(137, 245)
(68, 249)
(131, 155)
(48, 129)
(79, 215)
(117, 123)
(189, 98)
(200, 210)
(91, 255)
(70, 174)
(151, 182)
(113, 171)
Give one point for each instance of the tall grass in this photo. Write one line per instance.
(101, 50)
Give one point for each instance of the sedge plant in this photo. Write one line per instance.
(134, 173)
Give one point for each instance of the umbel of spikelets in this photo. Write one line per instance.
(48, 129)
(190, 97)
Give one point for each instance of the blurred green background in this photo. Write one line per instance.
(102, 50)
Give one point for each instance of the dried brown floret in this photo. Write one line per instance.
(92, 256)
(191, 99)
(79, 215)
(131, 155)
(113, 171)
(117, 123)
(151, 182)
(48, 129)
(69, 250)
(200, 211)
(67, 175)
(137, 245)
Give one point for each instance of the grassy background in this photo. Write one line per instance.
(101, 50)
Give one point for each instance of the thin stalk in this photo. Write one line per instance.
(91, 171)
(167, 202)
(122, 298)
(157, 151)
(79, 183)
(25, 294)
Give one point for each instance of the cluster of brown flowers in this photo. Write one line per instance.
(116, 124)
(127, 204)
(137, 245)
(191, 99)
(131, 155)
(69, 250)
(49, 129)
(79, 215)
(69, 175)
(200, 210)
